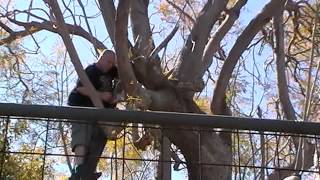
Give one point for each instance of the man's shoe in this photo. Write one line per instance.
(80, 174)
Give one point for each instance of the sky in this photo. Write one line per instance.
(85, 51)
(48, 41)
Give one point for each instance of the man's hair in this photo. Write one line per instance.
(106, 52)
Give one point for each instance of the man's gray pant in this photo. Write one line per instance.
(92, 136)
(81, 134)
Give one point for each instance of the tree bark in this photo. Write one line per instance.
(306, 149)
(164, 168)
(73, 54)
(308, 162)
(108, 11)
(34, 27)
(281, 71)
(217, 103)
(141, 27)
(190, 60)
(214, 42)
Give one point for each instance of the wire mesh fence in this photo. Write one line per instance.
(38, 145)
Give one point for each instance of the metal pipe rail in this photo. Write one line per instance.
(162, 118)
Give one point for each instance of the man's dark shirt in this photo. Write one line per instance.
(103, 82)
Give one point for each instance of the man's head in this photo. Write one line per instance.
(107, 60)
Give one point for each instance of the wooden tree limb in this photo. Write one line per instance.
(213, 44)
(181, 11)
(62, 28)
(6, 28)
(281, 69)
(301, 145)
(33, 27)
(17, 35)
(205, 21)
(148, 98)
(141, 26)
(108, 11)
(239, 47)
(189, 64)
(132, 87)
(308, 162)
(164, 43)
(86, 20)
(127, 76)
(147, 68)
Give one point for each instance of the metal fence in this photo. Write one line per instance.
(36, 138)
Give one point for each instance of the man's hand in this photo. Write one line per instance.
(104, 96)
(83, 90)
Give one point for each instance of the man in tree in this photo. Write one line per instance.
(88, 140)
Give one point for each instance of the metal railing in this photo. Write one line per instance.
(260, 147)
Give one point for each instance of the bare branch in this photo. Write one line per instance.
(213, 44)
(189, 65)
(17, 35)
(33, 27)
(239, 47)
(280, 61)
(125, 71)
(73, 54)
(181, 11)
(29, 14)
(141, 26)
(108, 11)
(6, 28)
(68, 9)
(127, 76)
(164, 43)
(87, 22)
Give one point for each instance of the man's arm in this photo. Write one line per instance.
(104, 96)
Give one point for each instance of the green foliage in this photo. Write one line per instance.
(24, 166)
(204, 104)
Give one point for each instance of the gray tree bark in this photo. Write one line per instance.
(306, 149)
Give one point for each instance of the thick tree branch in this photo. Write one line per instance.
(181, 11)
(308, 152)
(125, 71)
(287, 107)
(141, 26)
(213, 44)
(239, 47)
(164, 43)
(127, 76)
(108, 11)
(33, 27)
(6, 28)
(148, 70)
(17, 35)
(204, 23)
(190, 60)
(62, 28)
(281, 69)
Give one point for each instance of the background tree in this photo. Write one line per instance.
(280, 38)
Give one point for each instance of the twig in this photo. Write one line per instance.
(164, 42)
(181, 11)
